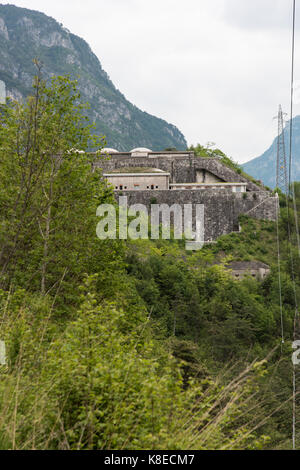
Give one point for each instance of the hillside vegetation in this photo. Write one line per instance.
(117, 344)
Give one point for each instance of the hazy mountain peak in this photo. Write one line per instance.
(27, 34)
(264, 167)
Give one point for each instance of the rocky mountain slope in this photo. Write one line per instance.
(264, 167)
(27, 34)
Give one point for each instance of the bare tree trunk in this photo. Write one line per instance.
(45, 251)
(46, 235)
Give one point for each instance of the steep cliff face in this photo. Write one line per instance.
(27, 34)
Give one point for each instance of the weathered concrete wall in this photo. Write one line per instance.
(204, 176)
(2, 92)
(215, 166)
(221, 209)
(259, 273)
(182, 168)
(163, 163)
(264, 210)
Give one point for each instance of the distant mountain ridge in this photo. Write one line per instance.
(27, 34)
(264, 167)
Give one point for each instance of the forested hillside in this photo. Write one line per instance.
(115, 344)
(26, 35)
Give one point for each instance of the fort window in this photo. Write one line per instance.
(121, 187)
(152, 186)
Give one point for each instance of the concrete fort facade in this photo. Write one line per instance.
(147, 177)
(255, 269)
(139, 181)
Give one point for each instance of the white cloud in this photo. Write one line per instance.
(216, 68)
(258, 14)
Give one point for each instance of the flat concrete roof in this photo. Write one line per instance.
(178, 153)
(136, 169)
(247, 265)
(136, 174)
(209, 184)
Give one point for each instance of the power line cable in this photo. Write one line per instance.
(291, 193)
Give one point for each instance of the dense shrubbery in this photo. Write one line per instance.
(104, 381)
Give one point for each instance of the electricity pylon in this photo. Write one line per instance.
(281, 170)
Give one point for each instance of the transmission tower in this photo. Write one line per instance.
(281, 170)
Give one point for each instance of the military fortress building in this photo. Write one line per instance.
(174, 177)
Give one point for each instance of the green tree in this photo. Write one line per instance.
(48, 191)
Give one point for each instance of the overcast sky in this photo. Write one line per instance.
(217, 69)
